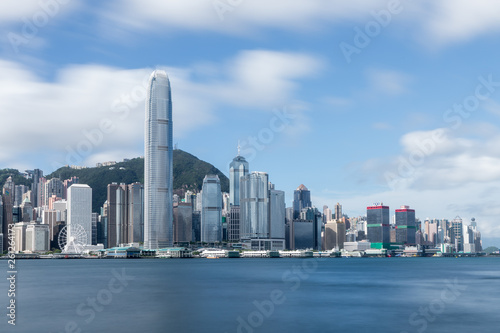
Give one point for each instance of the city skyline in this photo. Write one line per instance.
(407, 110)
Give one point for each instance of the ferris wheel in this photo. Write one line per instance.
(72, 239)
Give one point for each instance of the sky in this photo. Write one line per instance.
(361, 101)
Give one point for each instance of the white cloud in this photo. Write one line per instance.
(68, 118)
(13, 10)
(458, 20)
(388, 82)
(235, 17)
(261, 78)
(431, 21)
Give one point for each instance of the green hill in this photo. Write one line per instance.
(490, 249)
(188, 172)
(16, 177)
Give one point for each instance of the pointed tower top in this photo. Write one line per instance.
(239, 147)
(302, 188)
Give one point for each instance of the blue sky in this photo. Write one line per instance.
(374, 125)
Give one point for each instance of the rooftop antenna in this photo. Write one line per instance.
(239, 147)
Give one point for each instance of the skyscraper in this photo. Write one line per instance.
(457, 232)
(35, 187)
(254, 208)
(237, 168)
(405, 225)
(115, 191)
(52, 187)
(8, 218)
(301, 200)
(158, 177)
(183, 222)
(233, 224)
(80, 208)
(276, 213)
(211, 210)
(135, 213)
(334, 235)
(327, 214)
(338, 211)
(377, 220)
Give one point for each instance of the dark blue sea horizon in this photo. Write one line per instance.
(256, 295)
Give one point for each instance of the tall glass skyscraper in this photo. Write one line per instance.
(237, 168)
(301, 199)
(158, 178)
(211, 210)
(254, 207)
(276, 213)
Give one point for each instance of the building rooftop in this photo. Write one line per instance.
(302, 187)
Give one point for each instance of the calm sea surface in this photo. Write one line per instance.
(256, 295)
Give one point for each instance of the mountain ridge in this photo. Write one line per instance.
(188, 174)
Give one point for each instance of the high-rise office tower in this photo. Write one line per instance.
(338, 211)
(377, 217)
(102, 226)
(430, 231)
(196, 226)
(405, 225)
(135, 222)
(276, 213)
(254, 206)
(9, 187)
(35, 187)
(237, 168)
(158, 206)
(211, 210)
(115, 191)
(334, 236)
(327, 214)
(183, 222)
(457, 232)
(52, 187)
(233, 224)
(95, 218)
(40, 195)
(301, 200)
(80, 208)
(8, 217)
(478, 246)
(1, 223)
(26, 211)
(124, 213)
(19, 190)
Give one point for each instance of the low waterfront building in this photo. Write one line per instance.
(264, 244)
(123, 252)
(260, 254)
(174, 252)
(296, 254)
(213, 253)
(357, 246)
